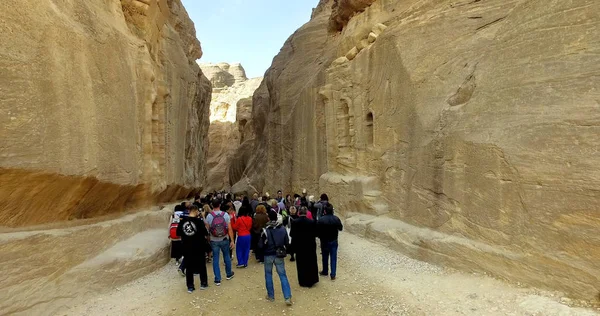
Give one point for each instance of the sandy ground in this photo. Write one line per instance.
(372, 280)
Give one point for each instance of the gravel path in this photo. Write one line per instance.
(372, 280)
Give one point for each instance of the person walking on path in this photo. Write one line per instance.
(328, 227)
(254, 203)
(193, 237)
(323, 201)
(218, 224)
(288, 224)
(230, 210)
(243, 225)
(258, 224)
(304, 234)
(176, 245)
(274, 241)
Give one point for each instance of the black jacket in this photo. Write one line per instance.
(328, 227)
(275, 235)
(304, 231)
(193, 235)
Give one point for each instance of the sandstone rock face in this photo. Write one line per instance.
(102, 108)
(462, 132)
(343, 10)
(230, 112)
(46, 271)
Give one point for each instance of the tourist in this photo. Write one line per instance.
(243, 225)
(197, 202)
(254, 203)
(265, 202)
(289, 201)
(275, 209)
(293, 214)
(304, 203)
(297, 201)
(324, 200)
(304, 234)
(288, 223)
(229, 209)
(246, 206)
(193, 237)
(282, 208)
(279, 196)
(328, 227)
(176, 247)
(218, 224)
(206, 210)
(238, 203)
(258, 224)
(273, 241)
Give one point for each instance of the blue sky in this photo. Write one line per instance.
(247, 31)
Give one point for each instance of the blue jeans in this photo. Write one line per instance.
(217, 247)
(242, 250)
(329, 249)
(280, 266)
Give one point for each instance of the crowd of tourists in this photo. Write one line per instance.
(211, 226)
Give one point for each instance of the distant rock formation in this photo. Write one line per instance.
(461, 132)
(230, 111)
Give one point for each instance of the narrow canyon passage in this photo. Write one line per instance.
(459, 140)
(372, 280)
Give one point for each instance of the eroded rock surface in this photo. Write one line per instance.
(102, 108)
(46, 271)
(230, 112)
(460, 132)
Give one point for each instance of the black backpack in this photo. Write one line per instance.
(280, 251)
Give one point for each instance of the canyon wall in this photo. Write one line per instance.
(460, 132)
(230, 112)
(102, 108)
(103, 112)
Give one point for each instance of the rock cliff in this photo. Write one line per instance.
(230, 112)
(460, 132)
(102, 108)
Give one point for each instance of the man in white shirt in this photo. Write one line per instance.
(237, 203)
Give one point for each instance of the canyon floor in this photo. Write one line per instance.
(372, 280)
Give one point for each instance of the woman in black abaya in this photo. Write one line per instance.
(304, 233)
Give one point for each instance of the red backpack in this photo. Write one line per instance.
(218, 226)
(173, 231)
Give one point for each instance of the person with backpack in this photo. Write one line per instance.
(288, 224)
(274, 240)
(176, 251)
(259, 222)
(324, 200)
(193, 237)
(218, 224)
(328, 227)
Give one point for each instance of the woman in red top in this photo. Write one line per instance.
(243, 225)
